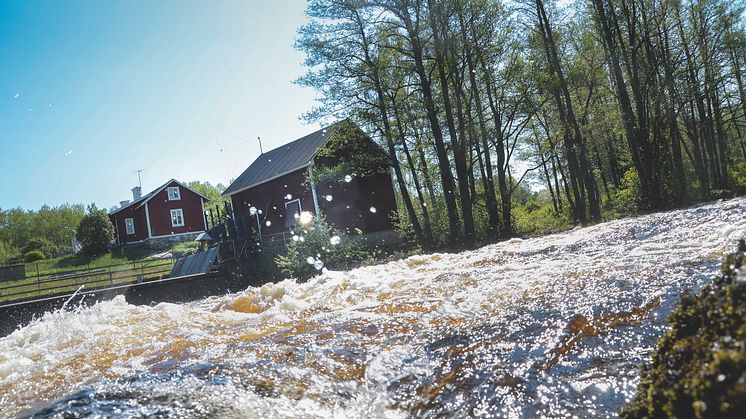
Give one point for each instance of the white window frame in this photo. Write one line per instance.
(178, 212)
(300, 210)
(129, 222)
(177, 193)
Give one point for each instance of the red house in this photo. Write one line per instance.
(338, 171)
(173, 212)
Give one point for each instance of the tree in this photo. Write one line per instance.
(212, 192)
(461, 93)
(41, 244)
(95, 232)
(57, 224)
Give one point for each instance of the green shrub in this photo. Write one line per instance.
(8, 252)
(699, 367)
(41, 244)
(95, 232)
(539, 218)
(33, 256)
(317, 246)
(626, 199)
(181, 249)
(737, 173)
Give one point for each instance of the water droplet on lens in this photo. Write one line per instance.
(306, 217)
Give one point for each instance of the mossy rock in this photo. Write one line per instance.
(699, 367)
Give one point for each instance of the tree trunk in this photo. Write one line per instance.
(444, 164)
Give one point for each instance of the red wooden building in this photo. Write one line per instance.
(173, 212)
(281, 184)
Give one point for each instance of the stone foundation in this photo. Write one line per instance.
(166, 241)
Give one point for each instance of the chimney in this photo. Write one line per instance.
(136, 193)
(122, 204)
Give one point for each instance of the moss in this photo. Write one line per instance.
(349, 151)
(699, 367)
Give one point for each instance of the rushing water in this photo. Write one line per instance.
(550, 326)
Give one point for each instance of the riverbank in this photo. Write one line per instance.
(699, 366)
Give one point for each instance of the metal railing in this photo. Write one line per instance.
(276, 240)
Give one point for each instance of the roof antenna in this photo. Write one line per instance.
(260, 145)
(139, 181)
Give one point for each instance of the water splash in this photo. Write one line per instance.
(553, 326)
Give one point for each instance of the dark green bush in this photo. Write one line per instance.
(95, 232)
(699, 367)
(33, 256)
(41, 244)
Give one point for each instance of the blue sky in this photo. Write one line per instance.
(91, 91)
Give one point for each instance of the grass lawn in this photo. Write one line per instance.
(74, 263)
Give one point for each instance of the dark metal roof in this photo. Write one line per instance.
(203, 236)
(281, 161)
(198, 263)
(145, 198)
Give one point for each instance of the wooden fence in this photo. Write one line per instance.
(51, 284)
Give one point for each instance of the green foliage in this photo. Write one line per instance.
(737, 174)
(542, 83)
(8, 252)
(180, 249)
(318, 242)
(403, 226)
(95, 232)
(326, 174)
(212, 192)
(626, 200)
(699, 367)
(33, 256)
(438, 221)
(349, 151)
(41, 244)
(538, 217)
(55, 224)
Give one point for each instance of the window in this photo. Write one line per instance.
(129, 225)
(292, 212)
(174, 194)
(177, 218)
